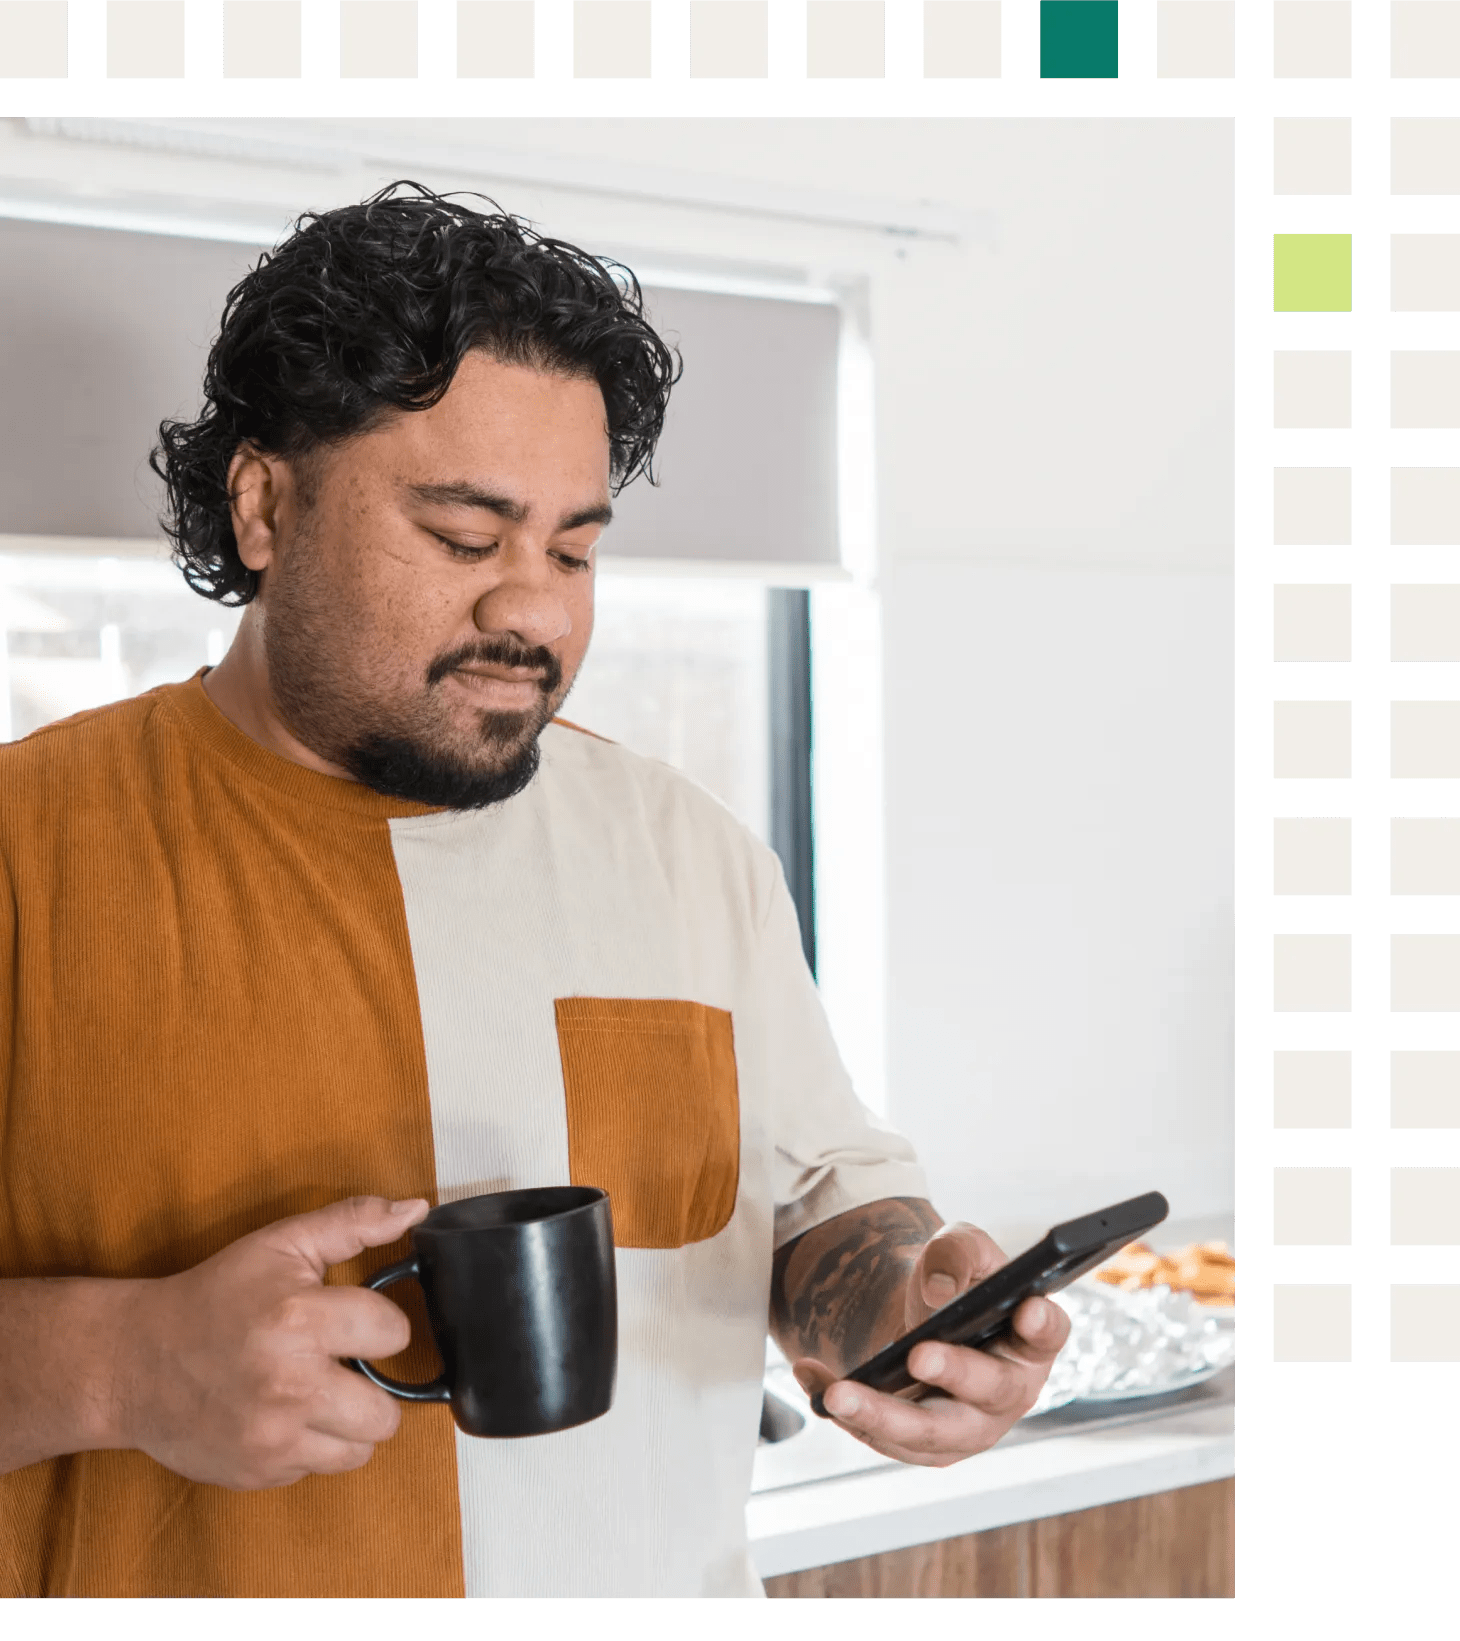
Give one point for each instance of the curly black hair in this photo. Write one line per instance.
(369, 309)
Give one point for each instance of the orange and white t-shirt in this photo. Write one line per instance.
(233, 989)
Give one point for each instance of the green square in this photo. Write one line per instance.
(1312, 273)
(1079, 39)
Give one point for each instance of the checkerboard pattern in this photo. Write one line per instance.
(1362, 131)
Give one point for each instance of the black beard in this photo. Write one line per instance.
(398, 768)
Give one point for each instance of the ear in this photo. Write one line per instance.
(256, 486)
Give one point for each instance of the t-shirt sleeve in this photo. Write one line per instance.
(831, 1152)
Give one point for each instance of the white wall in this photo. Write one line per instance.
(1053, 541)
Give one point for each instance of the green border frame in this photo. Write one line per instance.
(1345, 1512)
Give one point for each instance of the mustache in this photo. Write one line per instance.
(500, 651)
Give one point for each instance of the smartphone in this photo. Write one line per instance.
(985, 1311)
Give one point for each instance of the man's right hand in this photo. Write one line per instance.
(229, 1372)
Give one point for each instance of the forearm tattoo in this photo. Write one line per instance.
(837, 1289)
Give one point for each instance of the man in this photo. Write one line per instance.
(351, 923)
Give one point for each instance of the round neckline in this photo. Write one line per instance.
(205, 721)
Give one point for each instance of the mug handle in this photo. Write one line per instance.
(437, 1390)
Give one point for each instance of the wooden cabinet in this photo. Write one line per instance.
(1168, 1544)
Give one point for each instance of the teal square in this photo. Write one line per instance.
(1079, 39)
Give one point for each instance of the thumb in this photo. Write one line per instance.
(950, 1262)
(329, 1236)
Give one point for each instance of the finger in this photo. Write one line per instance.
(993, 1384)
(321, 1455)
(1040, 1332)
(346, 1322)
(351, 1409)
(329, 1236)
(934, 1432)
(952, 1260)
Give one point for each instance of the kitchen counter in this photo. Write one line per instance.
(835, 1500)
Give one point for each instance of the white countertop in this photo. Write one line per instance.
(828, 1517)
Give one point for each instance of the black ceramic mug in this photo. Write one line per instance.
(520, 1291)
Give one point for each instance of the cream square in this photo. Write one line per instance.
(1424, 1323)
(1424, 39)
(1424, 1207)
(1312, 1322)
(495, 40)
(1424, 1088)
(1196, 39)
(378, 39)
(845, 40)
(961, 40)
(1424, 273)
(1312, 1088)
(261, 39)
(1424, 973)
(1310, 857)
(1424, 856)
(1311, 623)
(33, 39)
(611, 39)
(1424, 740)
(144, 39)
(1310, 506)
(1310, 973)
(1424, 389)
(1424, 506)
(728, 39)
(1310, 1207)
(1310, 39)
(1424, 156)
(1311, 156)
(1310, 740)
(1424, 623)
(1311, 389)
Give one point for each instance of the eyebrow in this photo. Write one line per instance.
(459, 493)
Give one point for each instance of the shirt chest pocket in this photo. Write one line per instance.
(653, 1114)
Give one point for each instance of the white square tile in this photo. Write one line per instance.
(1424, 273)
(495, 40)
(1311, 1207)
(1424, 855)
(33, 39)
(1312, 1088)
(845, 40)
(1424, 39)
(1311, 973)
(1424, 740)
(378, 39)
(261, 39)
(1310, 856)
(728, 39)
(611, 39)
(1424, 973)
(144, 39)
(1313, 855)
(1311, 740)
(1312, 1322)
(1424, 389)
(1424, 623)
(1311, 39)
(961, 39)
(1424, 506)
(1424, 1207)
(1424, 156)
(1424, 1323)
(1196, 39)
(1313, 621)
(1313, 155)
(1310, 506)
(1424, 1088)
(1313, 388)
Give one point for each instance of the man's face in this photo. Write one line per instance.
(430, 598)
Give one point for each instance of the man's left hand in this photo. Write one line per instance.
(987, 1390)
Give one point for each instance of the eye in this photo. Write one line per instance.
(464, 554)
(571, 561)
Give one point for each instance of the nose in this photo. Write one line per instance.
(525, 606)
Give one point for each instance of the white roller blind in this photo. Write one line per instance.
(103, 333)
